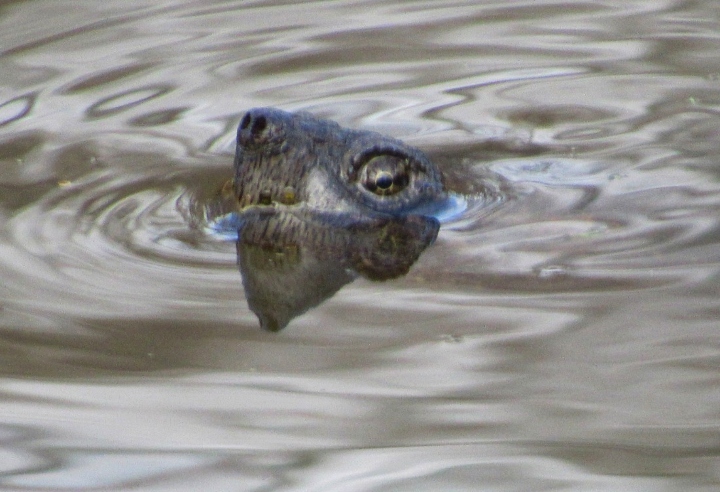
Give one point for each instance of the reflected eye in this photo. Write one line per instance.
(385, 175)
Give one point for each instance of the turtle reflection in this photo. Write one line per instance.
(291, 261)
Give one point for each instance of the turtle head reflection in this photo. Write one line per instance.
(291, 261)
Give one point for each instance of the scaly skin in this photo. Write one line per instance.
(298, 160)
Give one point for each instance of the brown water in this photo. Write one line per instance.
(565, 338)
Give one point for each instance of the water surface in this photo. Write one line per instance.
(564, 335)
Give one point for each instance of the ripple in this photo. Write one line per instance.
(112, 468)
(225, 227)
(111, 105)
(105, 77)
(561, 333)
(148, 217)
(156, 118)
(116, 235)
(16, 108)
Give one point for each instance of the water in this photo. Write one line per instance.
(562, 337)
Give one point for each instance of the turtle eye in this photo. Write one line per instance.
(385, 175)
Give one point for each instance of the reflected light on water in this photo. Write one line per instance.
(560, 333)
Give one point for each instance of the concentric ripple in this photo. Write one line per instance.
(119, 237)
(133, 232)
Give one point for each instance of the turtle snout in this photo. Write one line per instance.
(260, 126)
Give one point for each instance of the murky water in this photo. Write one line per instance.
(564, 336)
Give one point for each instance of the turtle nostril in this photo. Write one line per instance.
(253, 128)
(258, 125)
(245, 121)
(262, 126)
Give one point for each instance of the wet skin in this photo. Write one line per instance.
(297, 159)
(320, 205)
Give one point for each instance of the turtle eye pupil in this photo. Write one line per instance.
(384, 181)
(385, 174)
